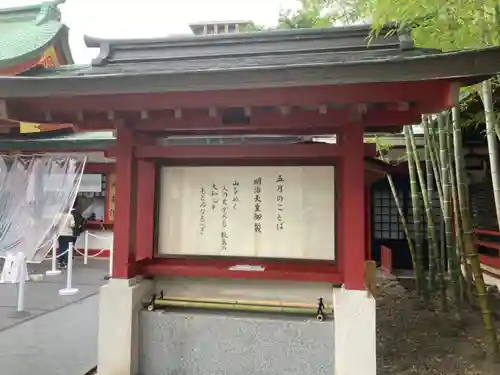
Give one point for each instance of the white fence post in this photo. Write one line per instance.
(21, 284)
(111, 252)
(54, 271)
(86, 248)
(69, 290)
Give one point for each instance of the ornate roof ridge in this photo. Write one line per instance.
(39, 13)
(118, 51)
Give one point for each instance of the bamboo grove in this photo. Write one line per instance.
(442, 244)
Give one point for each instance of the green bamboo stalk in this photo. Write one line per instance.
(430, 220)
(435, 145)
(417, 223)
(464, 289)
(453, 265)
(444, 172)
(430, 196)
(469, 244)
(489, 114)
(462, 193)
(429, 140)
(404, 223)
(432, 141)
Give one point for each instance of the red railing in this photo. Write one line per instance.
(490, 240)
(386, 259)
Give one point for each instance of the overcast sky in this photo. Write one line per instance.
(152, 18)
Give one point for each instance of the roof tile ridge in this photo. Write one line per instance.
(49, 11)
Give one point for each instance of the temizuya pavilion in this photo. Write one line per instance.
(276, 222)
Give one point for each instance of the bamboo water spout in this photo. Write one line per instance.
(319, 310)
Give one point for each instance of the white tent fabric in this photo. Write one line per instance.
(34, 191)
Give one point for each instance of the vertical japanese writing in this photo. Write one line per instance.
(215, 196)
(111, 197)
(280, 225)
(225, 208)
(236, 190)
(257, 215)
(203, 210)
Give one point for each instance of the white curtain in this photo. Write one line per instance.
(34, 191)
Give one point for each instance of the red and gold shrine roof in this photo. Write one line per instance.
(32, 36)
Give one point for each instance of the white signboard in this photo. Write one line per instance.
(268, 212)
(91, 183)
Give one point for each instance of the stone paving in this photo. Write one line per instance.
(58, 335)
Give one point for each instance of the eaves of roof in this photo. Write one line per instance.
(76, 141)
(253, 60)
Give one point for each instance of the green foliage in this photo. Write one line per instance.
(252, 28)
(320, 13)
(444, 24)
(382, 147)
(310, 14)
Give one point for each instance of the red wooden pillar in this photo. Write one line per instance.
(368, 229)
(353, 207)
(126, 194)
(145, 212)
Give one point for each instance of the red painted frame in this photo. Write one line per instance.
(310, 271)
(275, 269)
(485, 259)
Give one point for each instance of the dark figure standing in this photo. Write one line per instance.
(66, 236)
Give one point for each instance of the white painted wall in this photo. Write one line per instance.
(119, 305)
(355, 332)
(220, 210)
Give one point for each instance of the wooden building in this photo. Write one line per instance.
(298, 231)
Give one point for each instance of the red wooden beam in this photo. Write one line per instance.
(126, 196)
(206, 154)
(435, 94)
(220, 267)
(352, 212)
(488, 244)
(145, 210)
(199, 121)
(386, 259)
(298, 121)
(370, 150)
(486, 232)
(241, 152)
(490, 261)
(103, 168)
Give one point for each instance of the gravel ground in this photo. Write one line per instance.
(421, 340)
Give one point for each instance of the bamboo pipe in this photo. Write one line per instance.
(239, 307)
(220, 304)
(249, 302)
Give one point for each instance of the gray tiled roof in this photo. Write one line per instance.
(280, 58)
